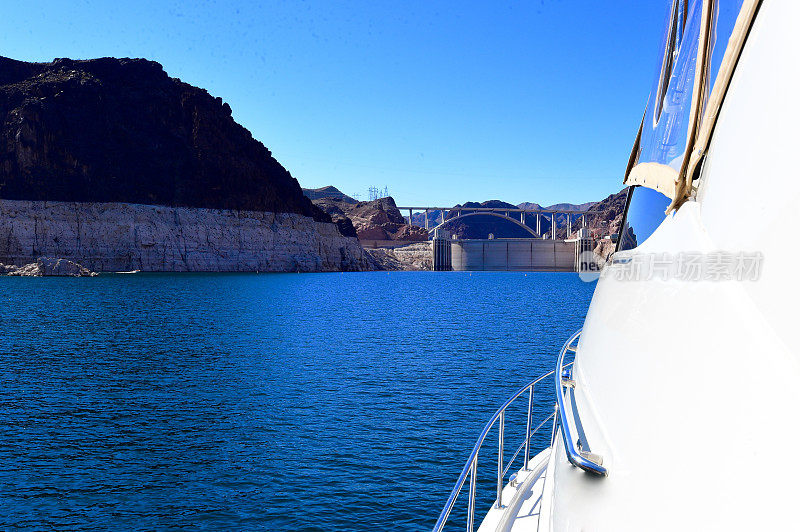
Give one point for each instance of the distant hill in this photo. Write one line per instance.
(568, 207)
(564, 207)
(368, 219)
(329, 192)
(490, 204)
(481, 226)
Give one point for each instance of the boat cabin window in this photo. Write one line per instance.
(666, 124)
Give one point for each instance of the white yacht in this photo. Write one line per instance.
(677, 405)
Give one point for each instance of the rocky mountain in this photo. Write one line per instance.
(415, 256)
(96, 136)
(47, 267)
(122, 130)
(605, 216)
(329, 192)
(372, 220)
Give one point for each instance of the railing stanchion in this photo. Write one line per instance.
(471, 467)
(473, 480)
(528, 432)
(555, 422)
(500, 459)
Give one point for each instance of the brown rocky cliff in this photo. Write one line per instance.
(605, 216)
(373, 220)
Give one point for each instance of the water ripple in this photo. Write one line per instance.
(260, 402)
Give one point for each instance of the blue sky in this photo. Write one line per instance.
(442, 102)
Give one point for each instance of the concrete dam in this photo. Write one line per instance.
(541, 252)
(509, 254)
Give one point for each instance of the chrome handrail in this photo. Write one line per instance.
(471, 467)
(583, 459)
(586, 460)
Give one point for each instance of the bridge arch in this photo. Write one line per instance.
(496, 214)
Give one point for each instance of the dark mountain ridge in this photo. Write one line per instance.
(122, 130)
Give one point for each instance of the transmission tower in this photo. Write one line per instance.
(376, 193)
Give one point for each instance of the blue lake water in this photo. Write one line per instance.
(266, 402)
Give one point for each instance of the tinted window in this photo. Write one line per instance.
(644, 213)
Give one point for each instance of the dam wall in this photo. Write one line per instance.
(512, 254)
(128, 236)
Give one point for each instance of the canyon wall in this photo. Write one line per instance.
(115, 165)
(125, 236)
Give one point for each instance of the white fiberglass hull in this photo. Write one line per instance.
(690, 389)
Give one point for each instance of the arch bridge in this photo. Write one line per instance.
(504, 213)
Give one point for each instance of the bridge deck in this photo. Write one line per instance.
(494, 209)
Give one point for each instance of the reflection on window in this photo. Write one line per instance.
(665, 129)
(644, 214)
(665, 134)
(669, 50)
(725, 13)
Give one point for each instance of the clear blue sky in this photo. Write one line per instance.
(443, 102)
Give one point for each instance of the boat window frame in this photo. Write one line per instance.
(709, 98)
(624, 220)
(675, 28)
(679, 13)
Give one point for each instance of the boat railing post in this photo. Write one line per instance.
(500, 460)
(555, 421)
(528, 431)
(473, 480)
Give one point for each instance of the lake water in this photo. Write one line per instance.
(268, 402)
